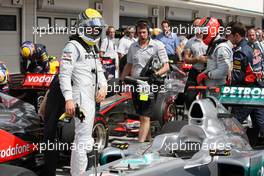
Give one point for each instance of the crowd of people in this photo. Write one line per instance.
(234, 57)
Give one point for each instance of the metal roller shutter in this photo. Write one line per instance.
(10, 38)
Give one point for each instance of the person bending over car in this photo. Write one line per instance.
(247, 68)
(37, 55)
(138, 56)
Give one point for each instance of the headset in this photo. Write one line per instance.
(145, 23)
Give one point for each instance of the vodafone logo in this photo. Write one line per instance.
(12, 147)
(16, 150)
(41, 79)
(38, 80)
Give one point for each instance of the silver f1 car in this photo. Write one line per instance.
(213, 143)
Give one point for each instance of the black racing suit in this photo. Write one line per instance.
(54, 108)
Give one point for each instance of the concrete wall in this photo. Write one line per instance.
(247, 5)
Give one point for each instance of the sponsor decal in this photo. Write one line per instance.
(252, 96)
(12, 147)
(38, 80)
(243, 92)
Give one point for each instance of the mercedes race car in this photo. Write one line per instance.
(212, 143)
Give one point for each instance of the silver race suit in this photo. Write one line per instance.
(219, 64)
(77, 82)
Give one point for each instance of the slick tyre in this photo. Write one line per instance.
(165, 109)
(100, 133)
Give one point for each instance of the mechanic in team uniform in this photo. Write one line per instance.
(247, 69)
(219, 54)
(37, 55)
(258, 53)
(137, 58)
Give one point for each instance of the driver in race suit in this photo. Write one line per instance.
(219, 54)
(76, 83)
(83, 83)
(37, 55)
(247, 69)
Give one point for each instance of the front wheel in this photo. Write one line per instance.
(100, 134)
(165, 108)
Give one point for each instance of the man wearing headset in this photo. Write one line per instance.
(138, 55)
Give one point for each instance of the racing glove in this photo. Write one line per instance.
(202, 77)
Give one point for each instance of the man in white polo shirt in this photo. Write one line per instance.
(123, 46)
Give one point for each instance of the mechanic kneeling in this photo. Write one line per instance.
(138, 56)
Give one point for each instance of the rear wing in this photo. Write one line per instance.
(233, 95)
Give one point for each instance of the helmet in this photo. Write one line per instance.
(3, 74)
(209, 27)
(90, 25)
(27, 49)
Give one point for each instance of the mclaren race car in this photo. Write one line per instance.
(21, 136)
(212, 143)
